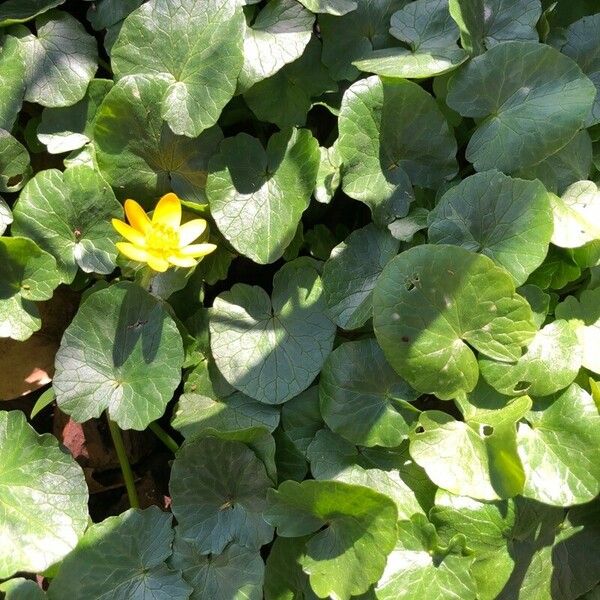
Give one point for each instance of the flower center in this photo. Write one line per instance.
(162, 238)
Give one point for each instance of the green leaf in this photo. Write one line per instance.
(476, 458)
(486, 23)
(432, 304)
(559, 446)
(139, 155)
(329, 174)
(198, 415)
(218, 489)
(354, 527)
(68, 215)
(362, 397)
(46, 399)
(550, 363)
(19, 11)
(278, 36)
(572, 162)
(349, 37)
(22, 589)
(285, 97)
(330, 7)
(301, 418)
(426, 27)
(389, 471)
(235, 574)
(15, 169)
(509, 220)
(70, 127)
(61, 59)
(404, 229)
(583, 46)
(43, 498)
(576, 215)
(106, 13)
(487, 528)
(27, 275)
(420, 567)
(257, 196)
(584, 313)
(284, 577)
(12, 80)
(6, 217)
(350, 273)
(122, 557)
(271, 349)
(530, 100)
(121, 353)
(194, 47)
(392, 134)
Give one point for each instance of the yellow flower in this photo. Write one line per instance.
(161, 241)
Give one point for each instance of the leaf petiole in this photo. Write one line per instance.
(128, 478)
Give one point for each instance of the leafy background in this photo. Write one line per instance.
(383, 384)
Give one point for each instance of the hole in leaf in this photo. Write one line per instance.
(487, 430)
(420, 429)
(405, 338)
(14, 180)
(411, 282)
(522, 386)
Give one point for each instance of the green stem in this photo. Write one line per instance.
(117, 438)
(164, 437)
(146, 279)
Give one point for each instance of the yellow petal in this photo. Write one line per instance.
(129, 233)
(168, 211)
(136, 216)
(190, 231)
(182, 261)
(132, 252)
(197, 250)
(157, 263)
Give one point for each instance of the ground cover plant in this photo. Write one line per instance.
(299, 299)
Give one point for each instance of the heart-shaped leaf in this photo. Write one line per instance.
(509, 220)
(269, 189)
(27, 274)
(68, 215)
(122, 557)
(218, 488)
(356, 380)
(137, 152)
(271, 349)
(433, 303)
(354, 527)
(350, 274)
(529, 98)
(121, 339)
(195, 47)
(43, 498)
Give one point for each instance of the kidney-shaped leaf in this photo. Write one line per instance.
(27, 274)
(195, 46)
(43, 498)
(354, 526)
(392, 134)
(68, 214)
(60, 58)
(137, 152)
(272, 348)
(350, 273)
(219, 490)
(559, 447)
(509, 220)
(363, 399)
(123, 557)
(235, 574)
(430, 33)
(257, 196)
(121, 353)
(431, 303)
(535, 100)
